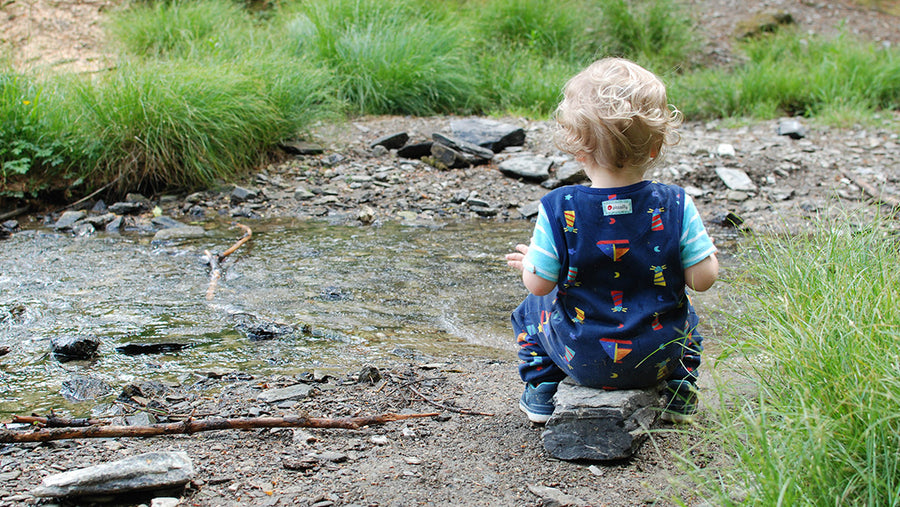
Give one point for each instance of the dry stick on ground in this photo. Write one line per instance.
(872, 192)
(215, 271)
(463, 411)
(190, 426)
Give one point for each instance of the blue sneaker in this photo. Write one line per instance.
(537, 401)
(681, 404)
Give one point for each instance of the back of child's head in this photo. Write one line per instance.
(616, 113)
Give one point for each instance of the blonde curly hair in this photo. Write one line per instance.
(616, 113)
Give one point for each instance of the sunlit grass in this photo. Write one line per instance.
(820, 339)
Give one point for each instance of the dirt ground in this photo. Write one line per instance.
(480, 450)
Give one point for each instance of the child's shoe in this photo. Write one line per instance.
(681, 404)
(537, 401)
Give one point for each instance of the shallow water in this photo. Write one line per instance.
(362, 293)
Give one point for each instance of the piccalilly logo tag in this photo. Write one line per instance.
(617, 207)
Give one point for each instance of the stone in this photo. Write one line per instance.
(297, 147)
(115, 225)
(241, 194)
(391, 141)
(302, 194)
(294, 392)
(83, 230)
(447, 156)
(100, 220)
(369, 375)
(68, 219)
(599, 425)
(183, 232)
(69, 347)
(82, 388)
(166, 222)
(530, 209)
(725, 150)
(792, 128)
(415, 150)
(490, 134)
(735, 179)
(464, 147)
(552, 497)
(136, 349)
(126, 208)
(570, 172)
(529, 167)
(144, 472)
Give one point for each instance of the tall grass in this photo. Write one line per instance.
(654, 33)
(822, 331)
(387, 57)
(790, 74)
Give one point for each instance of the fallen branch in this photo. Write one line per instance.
(872, 192)
(56, 422)
(215, 271)
(191, 426)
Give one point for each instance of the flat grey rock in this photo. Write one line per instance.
(294, 392)
(185, 232)
(529, 167)
(599, 425)
(154, 470)
(735, 179)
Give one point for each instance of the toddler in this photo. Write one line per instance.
(608, 264)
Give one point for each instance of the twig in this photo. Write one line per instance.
(872, 192)
(245, 238)
(14, 213)
(214, 274)
(92, 194)
(190, 426)
(464, 411)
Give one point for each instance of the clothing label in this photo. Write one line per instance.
(617, 207)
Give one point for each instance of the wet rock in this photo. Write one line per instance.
(333, 293)
(166, 222)
(69, 347)
(126, 208)
(144, 472)
(294, 392)
(529, 167)
(258, 329)
(68, 219)
(415, 150)
(391, 141)
(369, 375)
(135, 349)
(366, 215)
(241, 194)
(83, 230)
(139, 199)
(446, 157)
(302, 147)
(82, 388)
(183, 232)
(791, 128)
(599, 425)
(490, 134)
(115, 225)
(99, 221)
(735, 179)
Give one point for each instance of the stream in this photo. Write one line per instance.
(357, 293)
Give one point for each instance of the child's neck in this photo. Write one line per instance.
(604, 178)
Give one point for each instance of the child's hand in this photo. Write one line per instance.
(514, 260)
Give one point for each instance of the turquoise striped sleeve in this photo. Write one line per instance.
(695, 243)
(542, 258)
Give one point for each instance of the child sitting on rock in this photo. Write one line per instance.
(608, 264)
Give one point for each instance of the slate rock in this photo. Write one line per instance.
(135, 349)
(294, 392)
(100, 220)
(447, 157)
(126, 208)
(68, 219)
(241, 194)
(166, 222)
(183, 232)
(415, 150)
(570, 172)
(82, 388)
(115, 225)
(391, 141)
(144, 472)
(296, 147)
(735, 179)
(490, 134)
(72, 347)
(791, 128)
(459, 145)
(258, 329)
(529, 167)
(599, 425)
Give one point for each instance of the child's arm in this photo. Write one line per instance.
(702, 276)
(534, 283)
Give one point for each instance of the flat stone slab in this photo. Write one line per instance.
(294, 392)
(599, 425)
(150, 471)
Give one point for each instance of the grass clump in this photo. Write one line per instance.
(788, 74)
(388, 57)
(821, 330)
